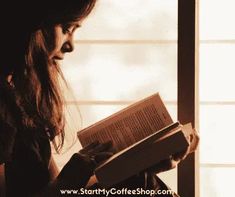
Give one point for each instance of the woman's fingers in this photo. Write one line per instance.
(96, 147)
(89, 147)
(102, 147)
(102, 156)
(173, 160)
(194, 141)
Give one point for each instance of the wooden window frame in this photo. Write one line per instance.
(188, 45)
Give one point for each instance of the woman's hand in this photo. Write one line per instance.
(170, 162)
(194, 141)
(175, 159)
(97, 152)
(81, 166)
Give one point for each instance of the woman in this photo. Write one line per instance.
(31, 107)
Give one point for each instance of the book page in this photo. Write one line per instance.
(129, 125)
(153, 138)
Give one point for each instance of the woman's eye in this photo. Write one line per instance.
(67, 29)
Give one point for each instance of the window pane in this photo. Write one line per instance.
(217, 133)
(217, 19)
(122, 72)
(217, 72)
(133, 20)
(170, 178)
(217, 89)
(217, 182)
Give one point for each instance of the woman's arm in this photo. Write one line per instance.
(77, 171)
(74, 175)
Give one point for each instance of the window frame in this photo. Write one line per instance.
(187, 98)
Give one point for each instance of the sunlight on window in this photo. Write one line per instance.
(217, 133)
(217, 97)
(217, 182)
(135, 20)
(214, 84)
(216, 19)
(126, 72)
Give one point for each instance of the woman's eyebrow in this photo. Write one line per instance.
(75, 25)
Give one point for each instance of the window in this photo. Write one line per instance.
(217, 96)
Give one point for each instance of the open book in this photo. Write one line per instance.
(143, 134)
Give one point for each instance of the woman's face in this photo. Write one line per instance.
(63, 40)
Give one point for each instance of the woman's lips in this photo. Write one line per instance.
(58, 57)
(55, 59)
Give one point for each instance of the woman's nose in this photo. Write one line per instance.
(68, 46)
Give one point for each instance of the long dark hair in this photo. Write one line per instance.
(34, 76)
